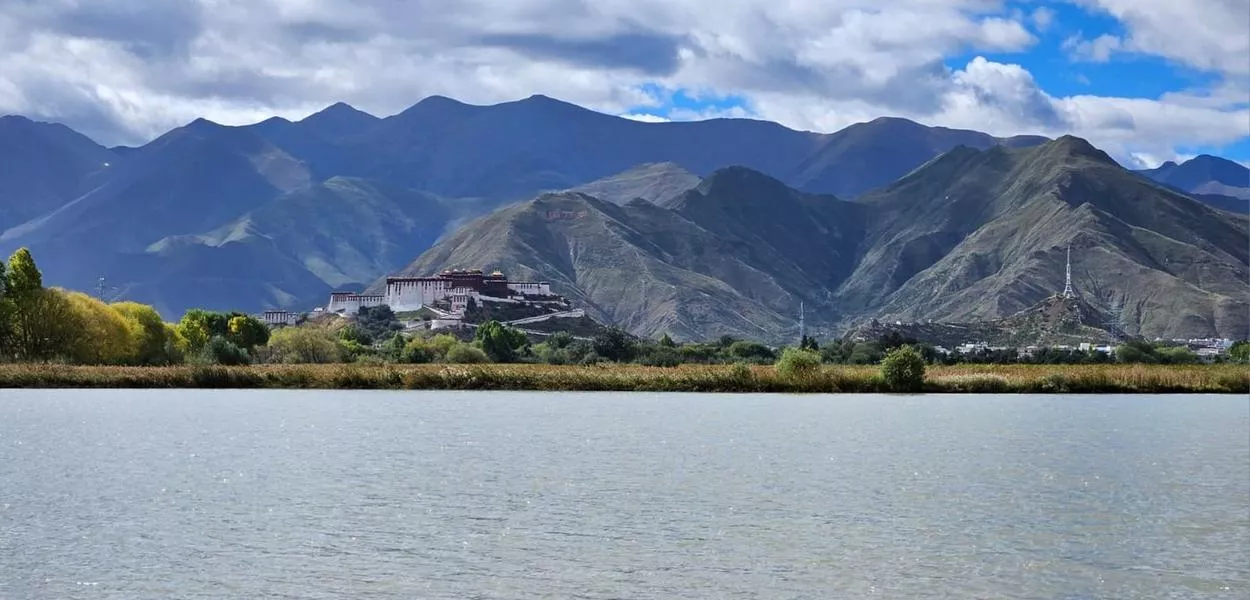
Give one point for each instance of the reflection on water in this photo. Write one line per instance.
(212, 494)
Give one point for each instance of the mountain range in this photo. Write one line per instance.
(972, 235)
(1217, 181)
(724, 225)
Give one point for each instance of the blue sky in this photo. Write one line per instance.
(1146, 80)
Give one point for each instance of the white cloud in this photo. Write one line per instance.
(1098, 49)
(126, 70)
(1042, 18)
(1212, 35)
(645, 118)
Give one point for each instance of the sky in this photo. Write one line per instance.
(1145, 80)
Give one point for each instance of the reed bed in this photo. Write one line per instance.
(686, 378)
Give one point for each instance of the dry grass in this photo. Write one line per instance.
(687, 378)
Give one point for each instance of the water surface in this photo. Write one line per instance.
(228, 494)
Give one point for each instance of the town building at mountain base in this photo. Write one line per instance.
(453, 290)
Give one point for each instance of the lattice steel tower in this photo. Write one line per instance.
(1067, 277)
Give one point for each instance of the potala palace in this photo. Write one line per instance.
(454, 287)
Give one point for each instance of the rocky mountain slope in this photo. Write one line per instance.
(973, 235)
(43, 166)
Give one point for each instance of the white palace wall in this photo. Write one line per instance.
(411, 294)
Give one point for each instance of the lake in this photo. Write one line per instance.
(233, 494)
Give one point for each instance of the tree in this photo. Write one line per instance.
(375, 323)
(1240, 352)
(6, 311)
(247, 332)
(615, 345)
(101, 335)
(153, 340)
(809, 343)
(221, 351)
(466, 354)
(667, 342)
(24, 277)
(500, 342)
(903, 369)
(44, 326)
(301, 345)
(797, 363)
(1136, 351)
(751, 352)
(198, 326)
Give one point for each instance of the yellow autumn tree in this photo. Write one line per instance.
(104, 336)
(153, 339)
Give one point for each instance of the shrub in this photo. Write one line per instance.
(501, 343)
(796, 363)
(751, 351)
(903, 369)
(297, 345)
(465, 354)
(220, 351)
(615, 345)
(660, 356)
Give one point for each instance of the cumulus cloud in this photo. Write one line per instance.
(124, 71)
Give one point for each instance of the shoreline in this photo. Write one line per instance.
(993, 379)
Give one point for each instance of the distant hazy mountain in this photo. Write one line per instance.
(1217, 181)
(869, 155)
(297, 247)
(43, 166)
(971, 235)
(514, 150)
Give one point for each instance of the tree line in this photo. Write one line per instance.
(39, 324)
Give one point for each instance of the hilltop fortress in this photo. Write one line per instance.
(455, 287)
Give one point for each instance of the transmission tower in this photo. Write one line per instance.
(802, 324)
(100, 289)
(1067, 278)
(1115, 318)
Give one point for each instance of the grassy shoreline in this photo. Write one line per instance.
(1227, 379)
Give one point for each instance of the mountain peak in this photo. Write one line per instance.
(1070, 145)
(740, 182)
(339, 111)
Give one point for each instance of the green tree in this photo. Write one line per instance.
(102, 336)
(1136, 351)
(152, 339)
(247, 332)
(44, 326)
(465, 354)
(40, 322)
(24, 277)
(221, 351)
(199, 326)
(903, 369)
(500, 342)
(667, 342)
(614, 345)
(751, 352)
(1240, 352)
(303, 345)
(809, 343)
(796, 363)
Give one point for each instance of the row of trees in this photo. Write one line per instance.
(39, 324)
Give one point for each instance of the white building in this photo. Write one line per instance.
(279, 317)
(406, 294)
